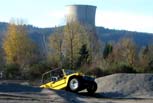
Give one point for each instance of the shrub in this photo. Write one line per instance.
(98, 72)
(12, 71)
(121, 68)
(93, 71)
(35, 71)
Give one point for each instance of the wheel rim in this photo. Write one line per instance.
(74, 84)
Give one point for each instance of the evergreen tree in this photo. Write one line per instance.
(84, 55)
(107, 50)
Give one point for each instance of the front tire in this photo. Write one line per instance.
(74, 85)
(92, 88)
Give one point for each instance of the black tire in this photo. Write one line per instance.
(92, 88)
(74, 84)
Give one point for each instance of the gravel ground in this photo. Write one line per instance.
(117, 88)
(126, 86)
(54, 97)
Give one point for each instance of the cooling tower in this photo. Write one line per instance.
(83, 14)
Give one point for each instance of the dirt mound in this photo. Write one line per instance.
(126, 86)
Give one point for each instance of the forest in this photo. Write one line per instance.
(73, 46)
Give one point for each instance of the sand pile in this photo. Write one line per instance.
(126, 86)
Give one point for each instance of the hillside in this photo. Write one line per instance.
(39, 35)
(140, 38)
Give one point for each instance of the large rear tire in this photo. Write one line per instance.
(74, 84)
(92, 88)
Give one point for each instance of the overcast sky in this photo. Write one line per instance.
(134, 15)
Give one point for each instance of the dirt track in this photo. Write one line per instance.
(134, 89)
(54, 97)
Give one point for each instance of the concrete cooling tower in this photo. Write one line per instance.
(83, 14)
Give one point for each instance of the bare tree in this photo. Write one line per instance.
(55, 44)
(124, 51)
(146, 59)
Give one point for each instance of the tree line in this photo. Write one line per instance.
(73, 47)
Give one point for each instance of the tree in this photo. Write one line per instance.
(55, 44)
(121, 58)
(18, 47)
(95, 44)
(74, 37)
(70, 45)
(125, 51)
(84, 56)
(146, 59)
(107, 50)
(1, 59)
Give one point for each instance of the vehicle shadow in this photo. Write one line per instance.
(69, 97)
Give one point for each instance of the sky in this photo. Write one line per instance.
(132, 15)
